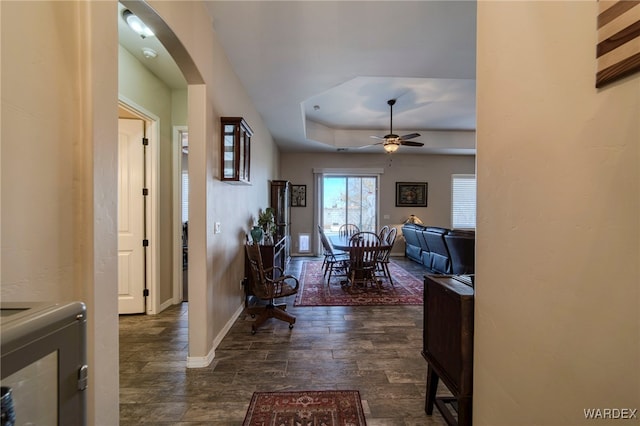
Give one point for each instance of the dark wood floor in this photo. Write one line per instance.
(375, 350)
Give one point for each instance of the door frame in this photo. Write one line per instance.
(152, 178)
(319, 174)
(177, 212)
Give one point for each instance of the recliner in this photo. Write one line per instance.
(461, 245)
(441, 250)
(412, 243)
(439, 259)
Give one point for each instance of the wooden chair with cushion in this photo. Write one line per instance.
(364, 248)
(269, 284)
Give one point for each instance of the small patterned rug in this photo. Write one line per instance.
(330, 408)
(314, 291)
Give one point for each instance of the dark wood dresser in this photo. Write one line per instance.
(448, 345)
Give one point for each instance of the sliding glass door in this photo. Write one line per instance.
(350, 199)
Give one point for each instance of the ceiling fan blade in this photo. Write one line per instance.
(377, 137)
(410, 143)
(409, 136)
(373, 144)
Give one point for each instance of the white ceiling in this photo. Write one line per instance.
(320, 73)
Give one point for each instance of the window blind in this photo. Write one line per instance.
(185, 197)
(463, 200)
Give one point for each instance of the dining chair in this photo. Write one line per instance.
(348, 229)
(269, 284)
(334, 261)
(382, 233)
(372, 237)
(385, 254)
(364, 248)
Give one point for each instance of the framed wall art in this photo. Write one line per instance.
(618, 48)
(298, 195)
(411, 194)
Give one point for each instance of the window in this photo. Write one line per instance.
(185, 197)
(463, 201)
(350, 199)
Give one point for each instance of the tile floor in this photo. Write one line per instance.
(375, 350)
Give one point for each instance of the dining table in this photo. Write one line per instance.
(341, 242)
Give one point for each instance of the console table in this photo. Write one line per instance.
(448, 345)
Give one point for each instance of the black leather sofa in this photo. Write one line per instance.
(440, 250)
(413, 247)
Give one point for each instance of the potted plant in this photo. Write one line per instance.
(267, 222)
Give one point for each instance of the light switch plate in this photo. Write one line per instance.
(216, 228)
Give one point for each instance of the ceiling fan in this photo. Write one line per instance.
(392, 142)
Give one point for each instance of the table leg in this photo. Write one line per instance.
(432, 387)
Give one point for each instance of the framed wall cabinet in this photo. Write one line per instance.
(236, 150)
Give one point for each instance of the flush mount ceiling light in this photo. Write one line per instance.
(136, 24)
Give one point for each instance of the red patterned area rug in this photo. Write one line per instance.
(407, 289)
(330, 408)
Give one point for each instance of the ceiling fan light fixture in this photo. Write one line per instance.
(391, 142)
(391, 146)
(136, 24)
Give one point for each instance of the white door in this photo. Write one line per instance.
(131, 276)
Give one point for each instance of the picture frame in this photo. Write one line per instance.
(617, 49)
(298, 195)
(411, 194)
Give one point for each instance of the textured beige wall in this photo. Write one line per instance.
(558, 234)
(436, 170)
(216, 261)
(59, 172)
(38, 154)
(59, 123)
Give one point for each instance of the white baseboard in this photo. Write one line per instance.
(228, 326)
(201, 361)
(166, 305)
(205, 361)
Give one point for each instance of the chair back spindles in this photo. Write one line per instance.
(348, 230)
(371, 237)
(364, 248)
